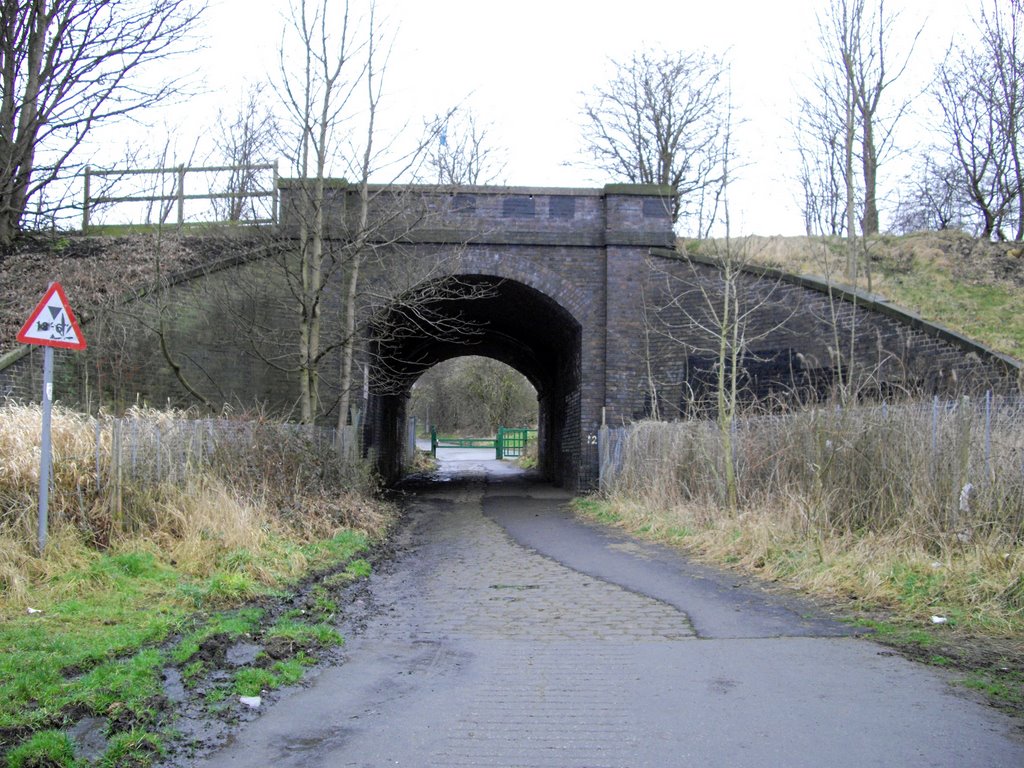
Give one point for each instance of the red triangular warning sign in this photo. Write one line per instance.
(52, 323)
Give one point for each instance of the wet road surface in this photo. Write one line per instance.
(506, 633)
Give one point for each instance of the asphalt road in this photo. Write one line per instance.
(507, 633)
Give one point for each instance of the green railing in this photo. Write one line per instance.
(509, 443)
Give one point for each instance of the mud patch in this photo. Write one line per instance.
(90, 737)
(207, 711)
(213, 650)
(242, 654)
(279, 648)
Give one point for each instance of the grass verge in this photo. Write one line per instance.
(970, 286)
(119, 622)
(208, 577)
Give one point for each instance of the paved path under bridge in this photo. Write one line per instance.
(507, 633)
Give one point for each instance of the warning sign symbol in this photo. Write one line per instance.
(52, 323)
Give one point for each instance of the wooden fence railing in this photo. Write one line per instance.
(178, 195)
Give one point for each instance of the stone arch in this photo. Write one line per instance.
(503, 319)
(528, 267)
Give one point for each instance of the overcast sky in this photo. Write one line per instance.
(522, 67)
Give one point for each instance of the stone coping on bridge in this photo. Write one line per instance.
(622, 189)
(628, 215)
(870, 301)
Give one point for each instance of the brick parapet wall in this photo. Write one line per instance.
(617, 214)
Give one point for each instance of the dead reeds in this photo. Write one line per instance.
(871, 500)
(191, 489)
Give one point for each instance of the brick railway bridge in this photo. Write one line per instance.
(586, 296)
(583, 292)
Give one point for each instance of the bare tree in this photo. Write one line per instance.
(852, 114)
(718, 315)
(935, 199)
(359, 240)
(980, 92)
(67, 67)
(661, 120)
(245, 137)
(820, 133)
(334, 99)
(463, 153)
(316, 95)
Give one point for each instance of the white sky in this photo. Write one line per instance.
(523, 64)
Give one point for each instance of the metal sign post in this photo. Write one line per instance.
(51, 324)
(45, 449)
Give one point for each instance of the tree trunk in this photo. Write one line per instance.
(303, 245)
(349, 322)
(870, 168)
(311, 264)
(8, 225)
(728, 376)
(851, 217)
(316, 261)
(19, 139)
(348, 343)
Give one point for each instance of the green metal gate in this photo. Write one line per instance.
(509, 444)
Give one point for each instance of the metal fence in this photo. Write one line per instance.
(155, 450)
(509, 443)
(610, 446)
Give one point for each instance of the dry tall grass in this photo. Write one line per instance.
(870, 501)
(269, 484)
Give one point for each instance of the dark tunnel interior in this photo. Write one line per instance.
(478, 315)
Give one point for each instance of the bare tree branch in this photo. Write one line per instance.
(463, 154)
(980, 92)
(660, 120)
(68, 66)
(850, 114)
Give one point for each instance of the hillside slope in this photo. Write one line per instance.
(94, 271)
(970, 286)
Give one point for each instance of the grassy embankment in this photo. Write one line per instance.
(865, 507)
(970, 286)
(163, 569)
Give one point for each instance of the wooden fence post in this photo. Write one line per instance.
(85, 202)
(176, 196)
(181, 195)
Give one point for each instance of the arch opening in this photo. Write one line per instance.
(472, 396)
(487, 316)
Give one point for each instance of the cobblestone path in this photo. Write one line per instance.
(472, 580)
(560, 644)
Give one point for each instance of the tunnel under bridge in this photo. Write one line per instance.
(583, 292)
